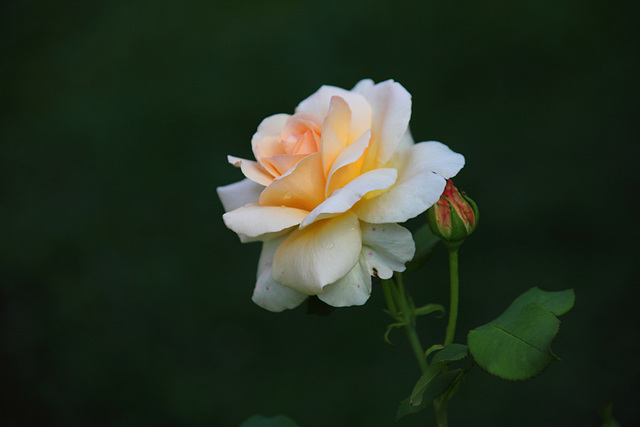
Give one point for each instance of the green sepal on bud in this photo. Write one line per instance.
(453, 217)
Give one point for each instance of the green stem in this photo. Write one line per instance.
(453, 304)
(401, 309)
(441, 404)
(388, 295)
(416, 346)
(410, 323)
(441, 412)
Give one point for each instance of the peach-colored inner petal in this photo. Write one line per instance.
(301, 134)
(361, 111)
(335, 132)
(301, 187)
(266, 148)
(281, 163)
(252, 170)
(299, 137)
(348, 164)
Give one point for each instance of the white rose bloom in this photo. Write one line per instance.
(328, 188)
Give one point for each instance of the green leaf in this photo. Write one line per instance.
(516, 345)
(423, 383)
(435, 381)
(433, 348)
(261, 421)
(405, 409)
(451, 353)
(558, 302)
(430, 386)
(425, 242)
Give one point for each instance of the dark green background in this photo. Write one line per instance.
(126, 302)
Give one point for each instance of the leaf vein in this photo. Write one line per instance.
(518, 338)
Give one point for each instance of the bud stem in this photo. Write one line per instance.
(453, 304)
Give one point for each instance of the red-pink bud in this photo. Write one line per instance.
(453, 217)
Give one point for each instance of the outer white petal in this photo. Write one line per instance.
(268, 293)
(361, 112)
(352, 289)
(256, 221)
(391, 104)
(312, 257)
(344, 198)
(422, 170)
(238, 194)
(363, 85)
(386, 248)
(441, 159)
(406, 142)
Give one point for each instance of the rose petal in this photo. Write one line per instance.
(266, 141)
(301, 124)
(270, 129)
(391, 106)
(352, 289)
(302, 187)
(361, 112)
(386, 248)
(300, 134)
(255, 221)
(273, 125)
(335, 132)
(441, 159)
(406, 142)
(363, 85)
(348, 164)
(238, 194)
(419, 184)
(252, 170)
(343, 199)
(268, 293)
(311, 258)
(282, 163)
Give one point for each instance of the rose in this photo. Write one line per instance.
(328, 187)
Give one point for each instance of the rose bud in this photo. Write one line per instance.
(453, 217)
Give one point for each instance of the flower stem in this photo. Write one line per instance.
(441, 403)
(440, 406)
(410, 323)
(453, 304)
(401, 308)
(388, 295)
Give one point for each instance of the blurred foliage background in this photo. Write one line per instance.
(124, 301)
